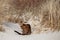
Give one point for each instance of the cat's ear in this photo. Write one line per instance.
(24, 24)
(28, 25)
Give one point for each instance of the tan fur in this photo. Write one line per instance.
(26, 29)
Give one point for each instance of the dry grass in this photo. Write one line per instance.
(40, 13)
(1, 28)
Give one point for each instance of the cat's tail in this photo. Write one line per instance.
(19, 33)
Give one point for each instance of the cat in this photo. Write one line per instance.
(26, 29)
